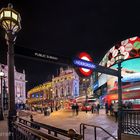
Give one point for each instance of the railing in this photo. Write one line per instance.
(23, 132)
(84, 126)
(34, 130)
(131, 122)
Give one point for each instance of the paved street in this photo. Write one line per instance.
(65, 120)
(3, 130)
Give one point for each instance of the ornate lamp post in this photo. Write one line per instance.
(119, 58)
(1, 103)
(10, 22)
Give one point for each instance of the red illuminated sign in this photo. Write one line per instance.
(85, 56)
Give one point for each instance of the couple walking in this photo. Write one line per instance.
(75, 108)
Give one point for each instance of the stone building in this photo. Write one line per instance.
(20, 84)
(66, 84)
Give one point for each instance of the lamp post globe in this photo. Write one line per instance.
(10, 22)
(119, 59)
(10, 19)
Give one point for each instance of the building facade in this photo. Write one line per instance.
(40, 96)
(55, 93)
(66, 84)
(20, 84)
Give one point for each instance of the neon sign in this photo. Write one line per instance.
(85, 62)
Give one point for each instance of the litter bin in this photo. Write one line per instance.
(45, 112)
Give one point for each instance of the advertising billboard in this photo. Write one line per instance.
(130, 48)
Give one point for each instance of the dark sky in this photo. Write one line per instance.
(67, 27)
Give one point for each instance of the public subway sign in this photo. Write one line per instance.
(46, 56)
(42, 55)
(85, 63)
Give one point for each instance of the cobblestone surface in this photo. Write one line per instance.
(66, 120)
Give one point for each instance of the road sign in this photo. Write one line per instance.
(43, 56)
(84, 62)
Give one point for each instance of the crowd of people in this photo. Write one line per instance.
(110, 109)
(113, 108)
(94, 108)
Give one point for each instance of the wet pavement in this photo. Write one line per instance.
(3, 130)
(65, 119)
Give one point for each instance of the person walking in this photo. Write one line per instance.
(92, 108)
(77, 108)
(106, 108)
(98, 108)
(111, 109)
(115, 109)
(73, 109)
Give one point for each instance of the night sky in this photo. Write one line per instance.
(67, 27)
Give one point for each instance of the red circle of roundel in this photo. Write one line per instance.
(85, 56)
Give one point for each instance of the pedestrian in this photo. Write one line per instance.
(45, 111)
(86, 109)
(56, 108)
(92, 108)
(98, 108)
(77, 108)
(115, 109)
(106, 107)
(73, 109)
(51, 109)
(130, 105)
(111, 109)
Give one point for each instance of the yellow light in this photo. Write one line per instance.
(14, 16)
(10, 19)
(7, 13)
(1, 15)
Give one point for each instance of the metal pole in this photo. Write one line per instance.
(1, 104)
(10, 37)
(4, 96)
(119, 101)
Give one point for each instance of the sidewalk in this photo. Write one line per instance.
(3, 130)
(64, 119)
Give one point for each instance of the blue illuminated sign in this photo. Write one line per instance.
(95, 86)
(84, 64)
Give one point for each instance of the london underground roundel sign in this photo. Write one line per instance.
(87, 57)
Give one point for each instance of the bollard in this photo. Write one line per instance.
(71, 133)
(31, 119)
(14, 118)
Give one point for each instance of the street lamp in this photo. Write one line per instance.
(119, 59)
(10, 22)
(1, 104)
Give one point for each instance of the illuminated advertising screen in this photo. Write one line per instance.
(130, 80)
(130, 48)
